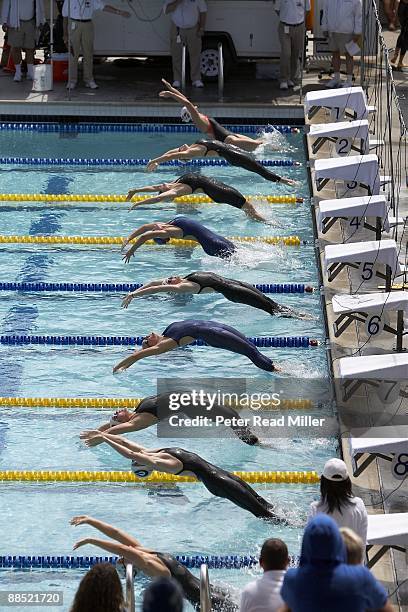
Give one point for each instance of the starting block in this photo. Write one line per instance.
(337, 101)
(356, 210)
(355, 170)
(343, 135)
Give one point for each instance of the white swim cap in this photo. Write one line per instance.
(140, 470)
(185, 115)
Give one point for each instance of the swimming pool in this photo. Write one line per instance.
(35, 517)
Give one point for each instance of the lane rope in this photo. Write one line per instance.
(117, 198)
(278, 477)
(298, 288)
(267, 341)
(189, 561)
(108, 161)
(118, 240)
(86, 128)
(109, 403)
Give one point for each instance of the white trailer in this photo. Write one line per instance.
(248, 29)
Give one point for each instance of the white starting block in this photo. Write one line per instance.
(369, 369)
(383, 442)
(355, 210)
(343, 135)
(387, 531)
(364, 256)
(371, 310)
(337, 101)
(355, 170)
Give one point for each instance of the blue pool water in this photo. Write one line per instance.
(35, 518)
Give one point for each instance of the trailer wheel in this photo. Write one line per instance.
(209, 59)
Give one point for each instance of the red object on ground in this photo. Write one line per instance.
(60, 70)
(10, 65)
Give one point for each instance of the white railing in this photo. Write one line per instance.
(220, 73)
(205, 591)
(130, 591)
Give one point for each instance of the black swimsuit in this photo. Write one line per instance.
(217, 131)
(237, 157)
(158, 406)
(220, 598)
(221, 336)
(238, 292)
(217, 191)
(222, 483)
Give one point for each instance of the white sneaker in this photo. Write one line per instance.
(333, 83)
(91, 85)
(198, 84)
(284, 85)
(71, 85)
(176, 83)
(17, 78)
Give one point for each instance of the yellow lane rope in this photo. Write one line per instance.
(157, 477)
(94, 197)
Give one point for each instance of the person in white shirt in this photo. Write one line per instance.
(337, 499)
(342, 23)
(22, 18)
(292, 38)
(263, 595)
(187, 26)
(82, 35)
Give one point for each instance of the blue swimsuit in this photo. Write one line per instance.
(221, 336)
(213, 244)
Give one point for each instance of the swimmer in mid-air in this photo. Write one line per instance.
(156, 408)
(208, 282)
(152, 563)
(181, 227)
(181, 462)
(215, 148)
(185, 332)
(211, 127)
(193, 182)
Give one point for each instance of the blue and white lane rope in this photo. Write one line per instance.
(138, 127)
(297, 288)
(127, 162)
(267, 341)
(68, 562)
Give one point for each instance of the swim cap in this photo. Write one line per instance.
(140, 470)
(185, 115)
(113, 421)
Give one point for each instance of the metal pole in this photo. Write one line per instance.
(205, 592)
(52, 39)
(130, 591)
(363, 48)
(302, 59)
(183, 67)
(69, 49)
(220, 73)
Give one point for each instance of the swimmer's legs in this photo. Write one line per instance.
(243, 142)
(251, 212)
(234, 341)
(241, 494)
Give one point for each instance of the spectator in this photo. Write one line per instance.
(342, 23)
(337, 500)
(100, 590)
(390, 10)
(402, 40)
(263, 595)
(323, 582)
(22, 18)
(82, 35)
(163, 595)
(292, 38)
(354, 546)
(188, 25)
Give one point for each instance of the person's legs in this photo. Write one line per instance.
(285, 57)
(15, 40)
(76, 51)
(297, 42)
(389, 10)
(87, 39)
(349, 69)
(175, 48)
(194, 46)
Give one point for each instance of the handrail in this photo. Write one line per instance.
(130, 591)
(205, 591)
(183, 67)
(220, 72)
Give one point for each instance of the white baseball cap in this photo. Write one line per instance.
(335, 469)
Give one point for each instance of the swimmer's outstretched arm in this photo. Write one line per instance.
(159, 288)
(106, 529)
(146, 227)
(141, 240)
(146, 562)
(200, 120)
(166, 195)
(163, 347)
(134, 452)
(146, 189)
(189, 153)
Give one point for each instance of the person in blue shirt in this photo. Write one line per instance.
(324, 582)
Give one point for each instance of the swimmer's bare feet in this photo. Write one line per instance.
(277, 368)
